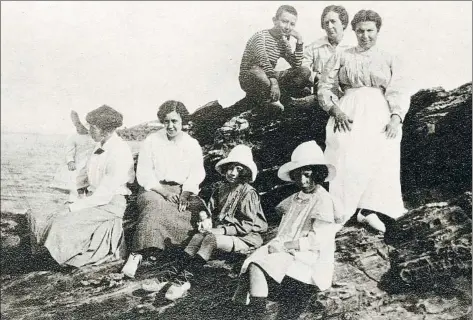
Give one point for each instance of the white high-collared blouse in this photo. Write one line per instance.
(180, 161)
(106, 174)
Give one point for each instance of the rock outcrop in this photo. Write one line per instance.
(422, 270)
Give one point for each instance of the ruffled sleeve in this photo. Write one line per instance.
(328, 83)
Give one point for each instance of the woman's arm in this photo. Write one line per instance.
(328, 82)
(116, 175)
(145, 173)
(197, 171)
(397, 94)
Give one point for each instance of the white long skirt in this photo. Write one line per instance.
(367, 162)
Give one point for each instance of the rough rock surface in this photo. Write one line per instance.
(421, 271)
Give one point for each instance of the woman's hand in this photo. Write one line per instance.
(275, 247)
(184, 200)
(342, 121)
(392, 128)
(168, 195)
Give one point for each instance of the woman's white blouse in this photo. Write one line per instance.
(180, 161)
(106, 174)
(355, 68)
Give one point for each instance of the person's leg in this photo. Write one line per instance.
(294, 298)
(258, 283)
(256, 84)
(208, 246)
(295, 82)
(194, 244)
(258, 291)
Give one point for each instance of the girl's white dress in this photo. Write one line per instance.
(308, 219)
(367, 162)
(77, 148)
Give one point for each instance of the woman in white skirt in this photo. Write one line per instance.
(365, 128)
(303, 249)
(89, 231)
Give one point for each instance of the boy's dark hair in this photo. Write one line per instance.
(170, 106)
(319, 173)
(342, 15)
(286, 8)
(366, 15)
(244, 177)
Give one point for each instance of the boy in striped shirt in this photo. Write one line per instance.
(257, 75)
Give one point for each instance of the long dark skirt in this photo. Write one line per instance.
(161, 224)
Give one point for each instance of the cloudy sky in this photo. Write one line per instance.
(59, 56)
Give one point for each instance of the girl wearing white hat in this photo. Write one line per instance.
(236, 210)
(304, 247)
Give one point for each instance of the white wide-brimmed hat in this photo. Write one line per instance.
(306, 154)
(240, 154)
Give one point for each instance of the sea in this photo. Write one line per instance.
(29, 162)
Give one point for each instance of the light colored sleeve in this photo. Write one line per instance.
(70, 148)
(322, 225)
(328, 83)
(116, 175)
(320, 237)
(397, 94)
(197, 171)
(308, 60)
(145, 173)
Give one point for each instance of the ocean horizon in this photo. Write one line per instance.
(29, 162)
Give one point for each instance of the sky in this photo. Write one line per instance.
(63, 56)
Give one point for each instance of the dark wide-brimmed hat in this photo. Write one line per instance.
(105, 118)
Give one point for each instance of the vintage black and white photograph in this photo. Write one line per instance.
(207, 160)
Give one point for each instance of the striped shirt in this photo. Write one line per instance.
(264, 50)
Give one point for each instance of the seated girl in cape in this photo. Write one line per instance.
(237, 213)
(304, 247)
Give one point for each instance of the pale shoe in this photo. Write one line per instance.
(153, 286)
(372, 220)
(131, 265)
(177, 291)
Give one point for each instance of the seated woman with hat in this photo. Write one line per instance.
(303, 249)
(90, 230)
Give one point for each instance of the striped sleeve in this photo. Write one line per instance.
(261, 52)
(294, 59)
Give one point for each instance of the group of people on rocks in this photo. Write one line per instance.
(359, 86)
